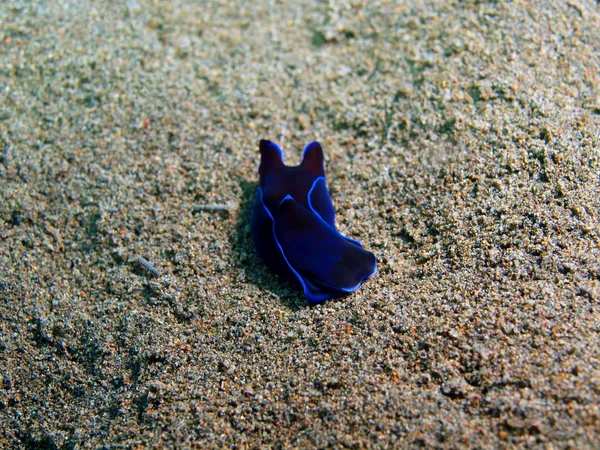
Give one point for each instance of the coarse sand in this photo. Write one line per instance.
(462, 143)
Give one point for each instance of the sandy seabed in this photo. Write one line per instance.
(462, 143)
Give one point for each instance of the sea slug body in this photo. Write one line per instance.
(293, 228)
